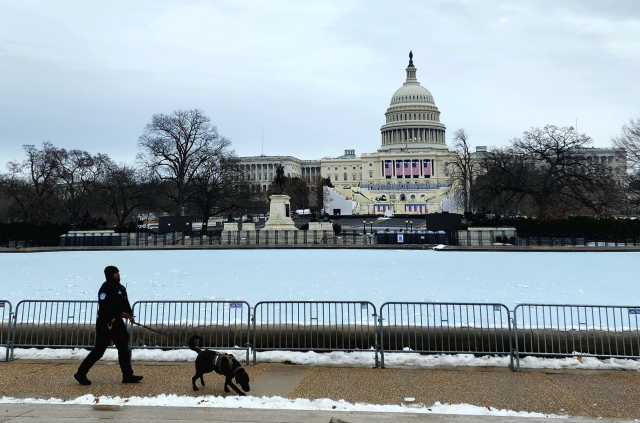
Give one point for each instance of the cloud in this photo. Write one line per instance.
(316, 76)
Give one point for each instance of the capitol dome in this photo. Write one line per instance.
(412, 119)
(412, 93)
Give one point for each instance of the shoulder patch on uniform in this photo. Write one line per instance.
(103, 296)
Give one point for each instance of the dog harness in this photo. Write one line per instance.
(217, 362)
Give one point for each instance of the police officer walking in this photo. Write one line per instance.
(113, 306)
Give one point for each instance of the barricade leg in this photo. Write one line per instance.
(381, 342)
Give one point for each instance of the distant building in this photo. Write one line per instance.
(405, 175)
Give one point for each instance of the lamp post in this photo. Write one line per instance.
(371, 226)
(364, 227)
(406, 225)
(411, 223)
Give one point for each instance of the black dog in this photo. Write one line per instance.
(224, 364)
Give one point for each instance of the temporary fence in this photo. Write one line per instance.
(315, 326)
(215, 238)
(44, 323)
(5, 326)
(486, 237)
(542, 330)
(221, 324)
(594, 241)
(445, 328)
(576, 330)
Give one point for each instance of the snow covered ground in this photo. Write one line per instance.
(372, 275)
(279, 403)
(342, 358)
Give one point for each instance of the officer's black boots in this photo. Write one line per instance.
(82, 379)
(131, 379)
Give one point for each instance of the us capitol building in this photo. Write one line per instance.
(405, 175)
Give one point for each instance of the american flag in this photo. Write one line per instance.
(399, 168)
(418, 208)
(427, 168)
(415, 166)
(387, 168)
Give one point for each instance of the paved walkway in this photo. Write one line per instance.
(23, 413)
(593, 394)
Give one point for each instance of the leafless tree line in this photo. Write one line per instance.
(547, 173)
(183, 167)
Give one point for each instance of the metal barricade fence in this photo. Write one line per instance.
(54, 324)
(445, 328)
(315, 326)
(559, 330)
(221, 324)
(5, 327)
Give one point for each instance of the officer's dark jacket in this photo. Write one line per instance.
(112, 302)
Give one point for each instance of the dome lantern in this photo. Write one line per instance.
(411, 70)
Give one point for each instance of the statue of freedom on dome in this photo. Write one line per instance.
(279, 180)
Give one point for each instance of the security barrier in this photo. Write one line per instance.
(542, 330)
(445, 328)
(315, 326)
(221, 324)
(43, 323)
(554, 330)
(5, 327)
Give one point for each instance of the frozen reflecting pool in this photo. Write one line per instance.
(332, 274)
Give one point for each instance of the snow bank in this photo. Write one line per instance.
(343, 358)
(279, 403)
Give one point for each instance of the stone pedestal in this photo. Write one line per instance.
(320, 226)
(280, 214)
(230, 226)
(248, 226)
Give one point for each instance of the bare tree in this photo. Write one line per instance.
(629, 141)
(499, 186)
(78, 174)
(548, 172)
(32, 183)
(124, 190)
(175, 146)
(219, 186)
(463, 170)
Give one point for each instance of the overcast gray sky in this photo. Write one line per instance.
(317, 77)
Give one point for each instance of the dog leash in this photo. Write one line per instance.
(153, 330)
